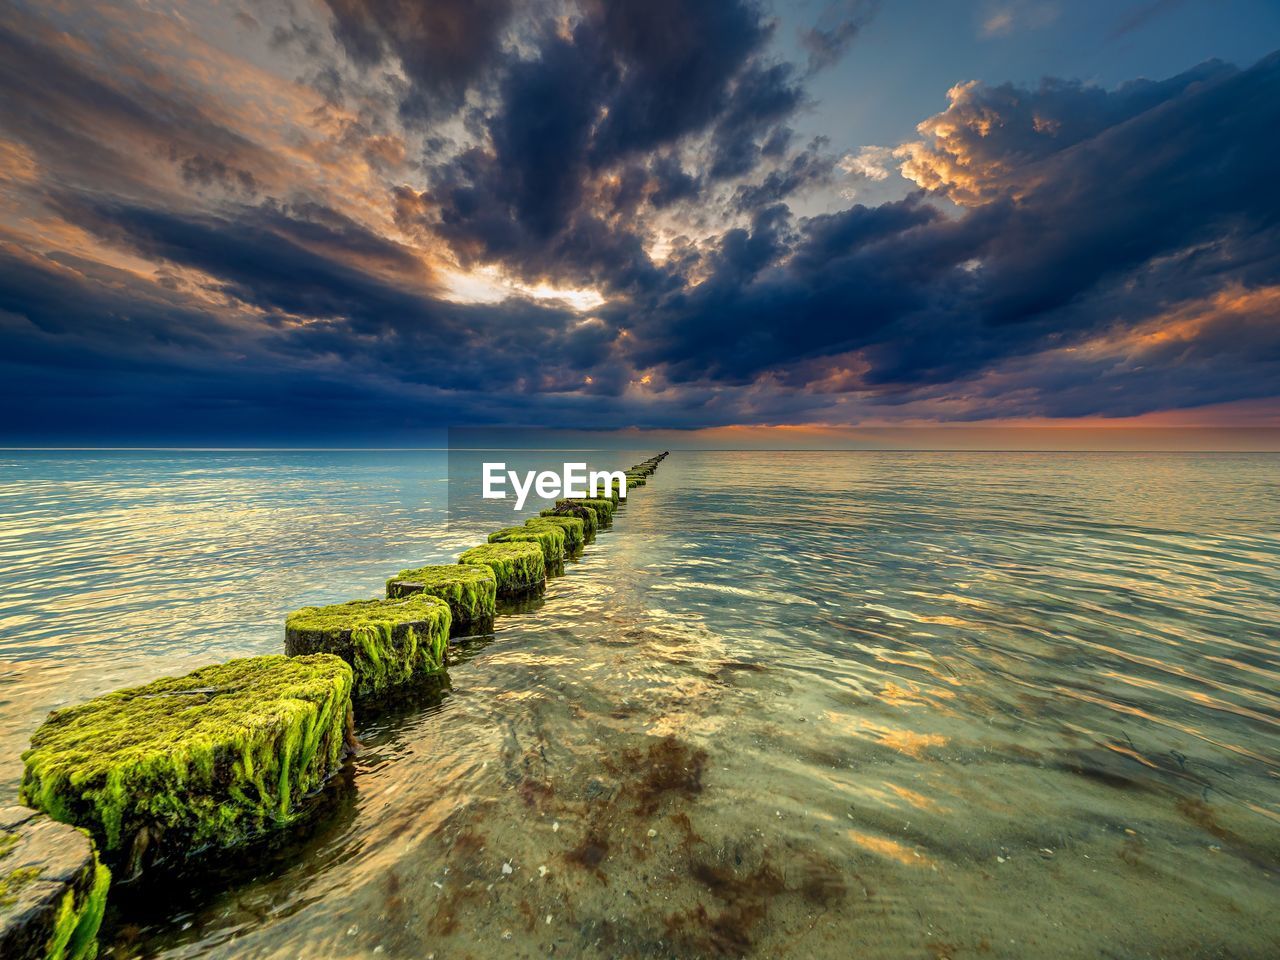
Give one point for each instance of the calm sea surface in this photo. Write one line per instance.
(802, 705)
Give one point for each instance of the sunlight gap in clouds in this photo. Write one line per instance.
(490, 285)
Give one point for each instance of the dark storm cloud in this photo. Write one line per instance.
(67, 312)
(671, 183)
(847, 280)
(680, 64)
(1148, 196)
(633, 82)
(988, 143)
(302, 337)
(542, 133)
(193, 243)
(762, 99)
(1188, 167)
(360, 295)
(443, 46)
(312, 262)
(812, 166)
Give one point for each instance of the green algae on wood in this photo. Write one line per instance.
(614, 496)
(470, 591)
(599, 516)
(550, 539)
(608, 505)
(208, 760)
(386, 642)
(53, 889)
(75, 934)
(603, 509)
(518, 566)
(587, 515)
(573, 527)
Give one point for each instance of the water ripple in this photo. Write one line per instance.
(932, 704)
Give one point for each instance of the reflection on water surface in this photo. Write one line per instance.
(934, 705)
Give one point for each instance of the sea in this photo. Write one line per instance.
(791, 704)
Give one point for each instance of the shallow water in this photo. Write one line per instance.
(809, 705)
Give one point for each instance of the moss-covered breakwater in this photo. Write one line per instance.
(385, 642)
(575, 534)
(603, 508)
(520, 567)
(163, 771)
(549, 539)
(567, 508)
(471, 590)
(159, 774)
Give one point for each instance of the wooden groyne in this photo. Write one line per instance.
(163, 774)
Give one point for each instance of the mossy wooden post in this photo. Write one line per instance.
(613, 496)
(212, 759)
(573, 527)
(519, 566)
(567, 508)
(53, 890)
(601, 509)
(549, 539)
(470, 591)
(386, 642)
(603, 506)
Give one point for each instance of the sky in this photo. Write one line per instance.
(360, 222)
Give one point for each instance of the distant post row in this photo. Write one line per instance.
(157, 775)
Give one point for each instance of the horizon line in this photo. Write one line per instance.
(192, 449)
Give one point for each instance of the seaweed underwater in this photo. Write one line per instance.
(629, 862)
(634, 876)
